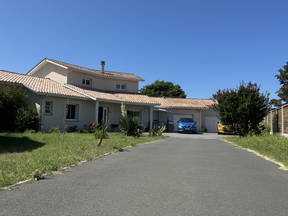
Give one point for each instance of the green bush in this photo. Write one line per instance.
(243, 108)
(26, 118)
(53, 130)
(15, 112)
(129, 125)
(72, 129)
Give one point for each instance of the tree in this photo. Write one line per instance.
(162, 88)
(276, 103)
(283, 79)
(243, 108)
(15, 112)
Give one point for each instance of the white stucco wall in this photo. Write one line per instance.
(101, 83)
(52, 72)
(58, 118)
(62, 75)
(86, 113)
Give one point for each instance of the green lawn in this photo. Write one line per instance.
(272, 146)
(24, 154)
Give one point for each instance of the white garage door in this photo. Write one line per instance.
(211, 124)
(177, 118)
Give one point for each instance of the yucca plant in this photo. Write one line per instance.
(101, 133)
(129, 125)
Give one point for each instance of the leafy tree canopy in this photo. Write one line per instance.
(162, 88)
(276, 102)
(243, 108)
(283, 80)
(15, 112)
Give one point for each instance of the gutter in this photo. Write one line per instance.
(108, 100)
(86, 95)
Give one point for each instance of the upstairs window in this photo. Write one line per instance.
(86, 82)
(48, 109)
(121, 86)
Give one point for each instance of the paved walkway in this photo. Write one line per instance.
(177, 176)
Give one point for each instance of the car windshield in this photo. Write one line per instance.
(186, 120)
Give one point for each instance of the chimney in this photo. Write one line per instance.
(102, 66)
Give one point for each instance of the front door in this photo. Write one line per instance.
(102, 115)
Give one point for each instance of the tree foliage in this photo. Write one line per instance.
(15, 112)
(276, 103)
(243, 108)
(283, 80)
(162, 88)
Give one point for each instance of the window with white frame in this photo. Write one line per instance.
(121, 86)
(72, 111)
(86, 82)
(48, 109)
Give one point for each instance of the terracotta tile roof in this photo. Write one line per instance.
(161, 102)
(117, 97)
(185, 103)
(107, 74)
(44, 86)
(39, 85)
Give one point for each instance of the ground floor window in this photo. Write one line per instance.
(72, 111)
(134, 114)
(48, 109)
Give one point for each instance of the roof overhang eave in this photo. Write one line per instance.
(42, 63)
(182, 107)
(126, 102)
(62, 96)
(104, 77)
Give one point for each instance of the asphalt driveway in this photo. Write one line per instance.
(178, 176)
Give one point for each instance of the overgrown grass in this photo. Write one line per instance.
(24, 154)
(272, 146)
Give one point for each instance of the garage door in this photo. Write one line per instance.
(177, 118)
(211, 124)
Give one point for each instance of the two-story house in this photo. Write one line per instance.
(68, 95)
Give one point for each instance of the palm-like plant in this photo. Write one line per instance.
(129, 125)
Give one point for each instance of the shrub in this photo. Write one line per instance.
(243, 108)
(53, 130)
(72, 129)
(129, 125)
(26, 118)
(92, 127)
(157, 131)
(15, 112)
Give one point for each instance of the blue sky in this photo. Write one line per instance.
(203, 45)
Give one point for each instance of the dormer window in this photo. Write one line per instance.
(86, 82)
(121, 86)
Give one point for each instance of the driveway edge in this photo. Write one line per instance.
(281, 165)
(63, 169)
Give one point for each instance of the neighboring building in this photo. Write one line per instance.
(68, 95)
(277, 120)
